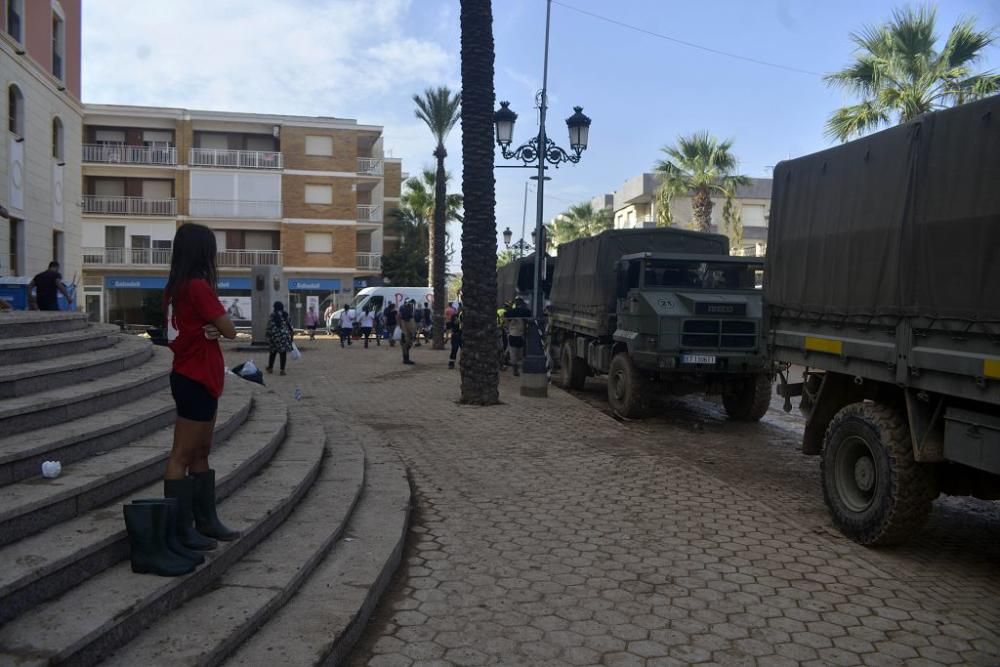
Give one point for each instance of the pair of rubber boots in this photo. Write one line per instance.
(166, 535)
(406, 358)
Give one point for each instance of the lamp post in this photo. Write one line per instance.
(540, 149)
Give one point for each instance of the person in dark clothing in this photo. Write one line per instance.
(517, 321)
(47, 285)
(409, 326)
(428, 321)
(279, 337)
(456, 334)
(391, 320)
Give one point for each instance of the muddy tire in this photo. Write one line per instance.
(877, 494)
(628, 391)
(750, 403)
(572, 369)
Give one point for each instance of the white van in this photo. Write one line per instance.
(377, 298)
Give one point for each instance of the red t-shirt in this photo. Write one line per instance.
(196, 357)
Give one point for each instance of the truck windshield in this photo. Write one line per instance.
(700, 275)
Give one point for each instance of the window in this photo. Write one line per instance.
(58, 247)
(318, 242)
(319, 145)
(109, 136)
(57, 139)
(319, 194)
(157, 138)
(58, 45)
(15, 13)
(15, 110)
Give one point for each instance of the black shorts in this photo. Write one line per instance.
(192, 399)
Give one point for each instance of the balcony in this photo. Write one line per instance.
(161, 257)
(139, 206)
(369, 261)
(368, 213)
(216, 157)
(232, 208)
(369, 166)
(122, 154)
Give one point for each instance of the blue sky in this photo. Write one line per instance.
(364, 58)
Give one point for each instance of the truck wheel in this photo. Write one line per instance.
(750, 403)
(627, 389)
(572, 369)
(878, 495)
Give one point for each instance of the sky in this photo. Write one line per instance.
(365, 59)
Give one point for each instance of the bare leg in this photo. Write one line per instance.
(192, 444)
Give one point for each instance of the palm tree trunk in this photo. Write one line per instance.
(701, 206)
(480, 371)
(438, 234)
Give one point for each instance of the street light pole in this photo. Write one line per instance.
(536, 291)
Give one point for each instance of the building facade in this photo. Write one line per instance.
(306, 193)
(39, 158)
(634, 206)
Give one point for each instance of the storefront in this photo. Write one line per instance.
(305, 292)
(139, 299)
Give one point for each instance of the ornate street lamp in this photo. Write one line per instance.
(537, 152)
(507, 235)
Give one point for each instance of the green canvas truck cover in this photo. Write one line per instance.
(516, 278)
(904, 222)
(584, 280)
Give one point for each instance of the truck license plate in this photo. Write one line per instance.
(698, 359)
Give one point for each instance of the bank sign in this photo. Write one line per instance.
(313, 284)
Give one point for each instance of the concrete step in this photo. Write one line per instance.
(42, 566)
(64, 402)
(32, 505)
(87, 623)
(26, 323)
(323, 621)
(35, 376)
(34, 348)
(253, 589)
(21, 457)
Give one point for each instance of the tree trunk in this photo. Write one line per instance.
(480, 370)
(438, 234)
(701, 205)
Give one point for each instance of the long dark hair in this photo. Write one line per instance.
(193, 257)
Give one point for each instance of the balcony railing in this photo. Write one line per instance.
(370, 166)
(106, 205)
(122, 154)
(368, 213)
(161, 257)
(217, 157)
(370, 261)
(231, 208)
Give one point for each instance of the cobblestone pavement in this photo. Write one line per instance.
(547, 533)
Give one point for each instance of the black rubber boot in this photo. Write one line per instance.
(206, 518)
(183, 491)
(173, 542)
(147, 535)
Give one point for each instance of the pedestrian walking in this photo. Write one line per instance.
(346, 324)
(279, 337)
(418, 320)
(391, 318)
(408, 324)
(455, 325)
(311, 320)
(516, 318)
(428, 321)
(48, 284)
(449, 312)
(367, 324)
(328, 318)
(166, 536)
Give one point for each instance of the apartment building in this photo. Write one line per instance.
(634, 206)
(305, 193)
(39, 161)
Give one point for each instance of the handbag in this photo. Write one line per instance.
(397, 333)
(296, 355)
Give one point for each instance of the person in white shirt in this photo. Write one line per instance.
(367, 324)
(346, 325)
(328, 318)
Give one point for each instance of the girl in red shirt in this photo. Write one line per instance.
(195, 320)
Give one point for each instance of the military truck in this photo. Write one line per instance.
(516, 279)
(883, 284)
(660, 312)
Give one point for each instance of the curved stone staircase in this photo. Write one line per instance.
(323, 521)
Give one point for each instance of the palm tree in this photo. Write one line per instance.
(420, 195)
(480, 372)
(578, 221)
(439, 109)
(899, 73)
(407, 263)
(699, 164)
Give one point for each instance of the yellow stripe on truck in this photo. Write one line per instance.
(991, 368)
(829, 345)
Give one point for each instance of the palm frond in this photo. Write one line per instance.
(854, 120)
(439, 109)
(965, 44)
